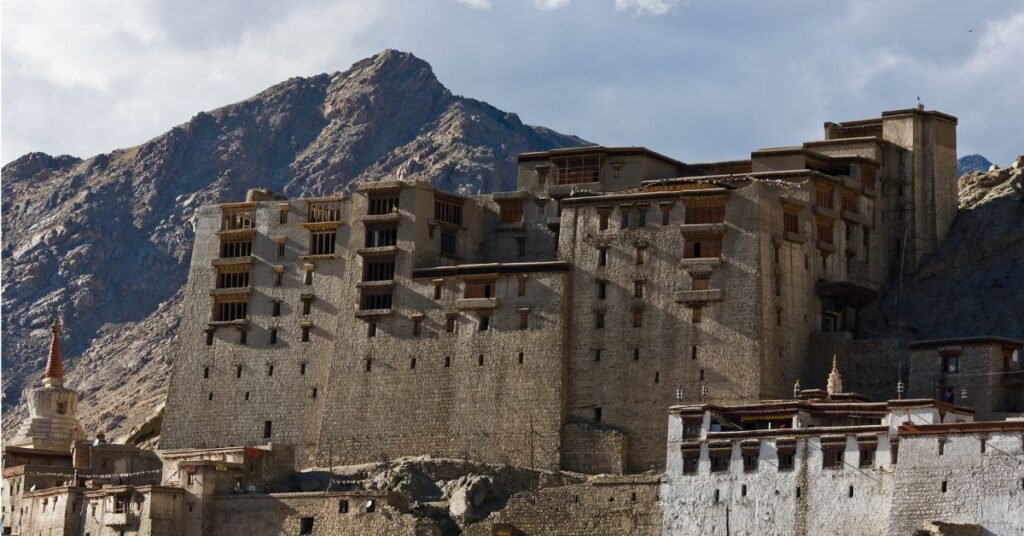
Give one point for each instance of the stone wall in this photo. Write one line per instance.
(962, 485)
(604, 505)
(284, 513)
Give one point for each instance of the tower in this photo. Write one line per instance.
(51, 424)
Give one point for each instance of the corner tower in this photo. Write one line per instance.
(52, 424)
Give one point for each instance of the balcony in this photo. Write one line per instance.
(118, 519)
(377, 251)
(231, 261)
(231, 292)
(852, 216)
(691, 229)
(476, 304)
(698, 296)
(372, 313)
(390, 217)
(699, 263)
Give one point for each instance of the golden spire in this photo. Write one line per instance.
(835, 381)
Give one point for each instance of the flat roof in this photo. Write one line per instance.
(967, 341)
(491, 268)
(961, 428)
(590, 149)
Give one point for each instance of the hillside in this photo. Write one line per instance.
(105, 242)
(975, 284)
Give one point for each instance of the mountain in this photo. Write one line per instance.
(974, 285)
(105, 242)
(972, 162)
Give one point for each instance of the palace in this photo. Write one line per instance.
(611, 348)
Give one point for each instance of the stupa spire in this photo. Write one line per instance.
(835, 380)
(54, 374)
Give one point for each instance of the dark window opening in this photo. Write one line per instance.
(206, 372)
(209, 338)
(282, 216)
(599, 320)
(447, 361)
(305, 333)
(379, 237)
(232, 279)
(636, 354)
(382, 205)
(786, 459)
(719, 461)
(448, 243)
(238, 371)
(521, 356)
(343, 506)
(484, 323)
(832, 458)
(709, 214)
(379, 270)
(227, 311)
(276, 309)
(305, 526)
(412, 363)
(243, 337)
(750, 461)
(376, 300)
(479, 289)
(267, 429)
(273, 336)
(371, 330)
(690, 463)
(480, 360)
(602, 256)
(236, 248)
(369, 364)
(602, 290)
(867, 456)
(597, 415)
(302, 369)
(448, 212)
(322, 242)
(449, 324)
(280, 249)
(596, 353)
(437, 291)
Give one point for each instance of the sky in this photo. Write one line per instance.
(698, 80)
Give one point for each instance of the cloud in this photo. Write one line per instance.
(648, 7)
(476, 4)
(551, 5)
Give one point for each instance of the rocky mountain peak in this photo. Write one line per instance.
(105, 242)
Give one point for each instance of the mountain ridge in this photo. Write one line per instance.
(105, 241)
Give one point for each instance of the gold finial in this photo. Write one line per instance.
(835, 364)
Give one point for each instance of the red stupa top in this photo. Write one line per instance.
(54, 363)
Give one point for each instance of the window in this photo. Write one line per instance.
(867, 455)
(280, 249)
(823, 195)
(825, 230)
(236, 248)
(624, 211)
(641, 217)
(270, 370)
(417, 326)
(894, 451)
(703, 248)
(602, 290)
(343, 506)
(602, 256)
(705, 214)
(521, 357)
(282, 216)
(597, 415)
(307, 305)
(449, 323)
(524, 319)
(447, 361)
(480, 360)
(950, 363)
(276, 310)
(577, 169)
(521, 246)
(378, 237)
(791, 222)
(720, 460)
(305, 333)
(273, 336)
(638, 289)
(832, 457)
(448, 243)
(379, 270)
(690, 461)
(437, 289)
(867, 242)
(636, 354)
(371, 505)
(484, 323)
(305, 526)
(234, 219)
(232, 278)
(693, 352)
(942, 446)
(375, 300)
(479, 289)
(268, 427)
(510, 211)
(209, 337)
(206, 372)
(945, 486)
(313, 392)
(750, 460)
(786, 459)
(522, 286)
(596, 353)
(322, 242)
(369, 364)
(696, 314)
(599, 320)
(700, 283)
(602, 224)
(278, 278)
(448, 212)
(238, 371)
(371, 330)
(302, 369)
(226, 311)
(849, 201)
(666, 214)
(383, 205)
(324, 211)
(638, 319)
(308, 280)
(640, 255)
